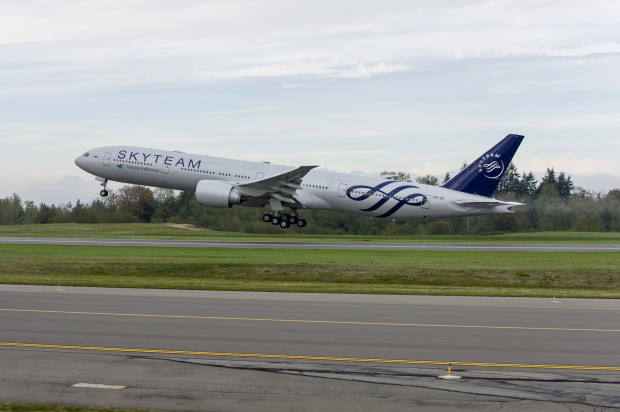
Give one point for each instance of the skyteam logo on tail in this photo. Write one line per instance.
(491, 166)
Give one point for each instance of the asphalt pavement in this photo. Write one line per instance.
(264, 244)
(202, 350)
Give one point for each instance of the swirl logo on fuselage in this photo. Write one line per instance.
(414, 199)
(491, 166)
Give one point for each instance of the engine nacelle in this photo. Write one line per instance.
(215, 193)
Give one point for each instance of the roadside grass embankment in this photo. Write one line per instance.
(542, 274)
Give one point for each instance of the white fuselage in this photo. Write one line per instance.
(321, 190)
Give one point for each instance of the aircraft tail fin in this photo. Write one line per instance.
(482, 176)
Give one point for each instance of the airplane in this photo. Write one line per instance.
(223, 183)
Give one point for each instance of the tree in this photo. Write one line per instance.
(166, 205)
(565, 186)
(446, 178)
(186, 205)
(400, 176)
(427, 180)
(137, 201)
(613, 200)
(11, 210)
(510, 182)
(549, 180)
(30, 212)
(528, 184)
(162, 194)
(81, 214)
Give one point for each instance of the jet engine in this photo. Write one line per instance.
(215, 193)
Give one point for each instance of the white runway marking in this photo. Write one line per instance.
(97, 386)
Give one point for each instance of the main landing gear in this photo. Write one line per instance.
(284, 220)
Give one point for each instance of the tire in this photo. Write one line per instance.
(267, 217)
(284, 224)
(302, 223)
(103, 193)
(275, 220)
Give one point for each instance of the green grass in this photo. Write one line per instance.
(331, 271)
(38, 407)
(74, 230)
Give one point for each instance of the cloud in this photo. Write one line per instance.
(363, 71)
(82, 45)
(569, 163)
(431, 81)
(326, 69)
(579, 121)
(315, 154)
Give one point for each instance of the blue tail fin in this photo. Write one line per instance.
(483, 175)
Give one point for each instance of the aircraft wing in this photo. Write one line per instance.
(477, 204)
(279, 188)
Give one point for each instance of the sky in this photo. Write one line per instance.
(353, 86)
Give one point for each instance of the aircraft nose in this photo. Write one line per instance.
(80, 161)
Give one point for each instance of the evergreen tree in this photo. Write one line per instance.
(510, 182)
(549, 180)
(565, 186)
(528, 184)
(446, 178)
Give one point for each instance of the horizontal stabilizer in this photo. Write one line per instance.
(485, 204)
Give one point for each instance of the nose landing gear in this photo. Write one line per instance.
(104, 183)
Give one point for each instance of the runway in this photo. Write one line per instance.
(248, 244)
(193, 349)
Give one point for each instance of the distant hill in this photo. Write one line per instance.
(69, 189)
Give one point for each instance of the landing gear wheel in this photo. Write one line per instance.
(104, 183)
(302, 223)
(284, 224)
(275, 220)
(284, 217)
(293, 220)
(267, 217)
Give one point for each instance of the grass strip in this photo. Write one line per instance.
(161, 231)
(39, 407)
(328, 271)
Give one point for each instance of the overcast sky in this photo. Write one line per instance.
(417, 86)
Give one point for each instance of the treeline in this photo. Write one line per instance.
(552, 204)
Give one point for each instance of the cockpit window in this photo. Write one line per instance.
(86, 154)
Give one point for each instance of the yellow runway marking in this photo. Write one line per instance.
(331, 322)
(303, 357)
